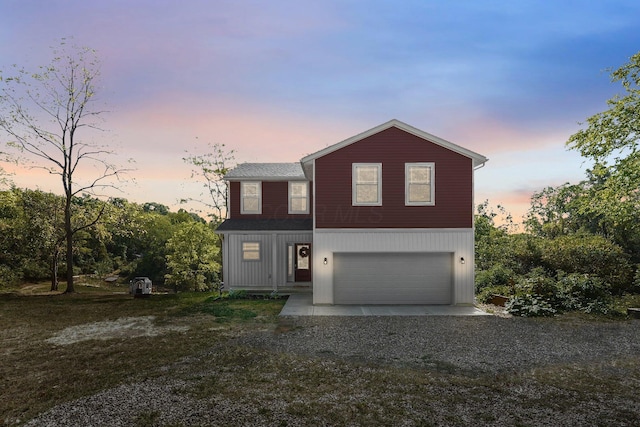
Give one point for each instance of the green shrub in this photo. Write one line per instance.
(237, 294)
(537, 283)
(583, 292)
(589, 254)
(273, 295)
(541, 294)
(35, 270)
(529, 306)
(9, 277)
(517, 252)
(104, 267)
(525, 253)
(497, 275)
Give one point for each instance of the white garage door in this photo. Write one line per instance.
(392, 278)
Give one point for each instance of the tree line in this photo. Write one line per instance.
(582, 241)
(178, 249)
(49, 117)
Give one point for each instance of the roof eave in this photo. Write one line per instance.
(478, 159)
(265, 178)
(266, 172)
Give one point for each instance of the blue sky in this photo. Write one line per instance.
(276, 80)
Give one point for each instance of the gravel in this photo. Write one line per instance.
(485, 344)
(468, 347)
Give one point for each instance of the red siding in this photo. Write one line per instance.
(393, 148)
(275, 201)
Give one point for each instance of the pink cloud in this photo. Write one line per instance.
(176, 123)
(488, 135)
(515, 202)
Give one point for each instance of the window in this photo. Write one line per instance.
(251, 197)
(251, 251)
(298, 197)
(290, 266)
(419, 178)
(367, 184)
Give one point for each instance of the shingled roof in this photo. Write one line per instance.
(266, 171)
(265, 225)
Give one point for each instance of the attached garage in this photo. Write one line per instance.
(393, 278)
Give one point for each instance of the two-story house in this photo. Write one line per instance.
(384, 217)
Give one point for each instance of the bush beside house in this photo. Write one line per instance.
(542, 276)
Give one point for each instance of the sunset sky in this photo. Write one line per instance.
(277, 80)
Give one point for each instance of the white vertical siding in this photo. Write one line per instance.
(241, 273)
(459, 242)
(270, 271)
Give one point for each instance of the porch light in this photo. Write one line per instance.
(461, 260)
(325, 261)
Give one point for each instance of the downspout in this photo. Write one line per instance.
(274, 262)
(472, 265)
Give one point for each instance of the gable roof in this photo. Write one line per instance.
(266, 172)
(478, 159)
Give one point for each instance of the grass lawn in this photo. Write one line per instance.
(56, 348)
(36, 375)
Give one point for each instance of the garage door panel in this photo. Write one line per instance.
(392, 278)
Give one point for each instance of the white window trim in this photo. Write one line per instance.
(291, 211)
(242, 209)
(353, 184)
(251, 259)
(432, 167)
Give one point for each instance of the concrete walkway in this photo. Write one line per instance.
(302, 305)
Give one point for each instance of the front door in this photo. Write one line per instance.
(302, 256)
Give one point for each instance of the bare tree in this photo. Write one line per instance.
(5, 180)
(43, 114)
(210, 168)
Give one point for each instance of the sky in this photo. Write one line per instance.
(277, 80)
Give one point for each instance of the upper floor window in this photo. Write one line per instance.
(419, 179)
(250, 197)
(298, 197)
(367, 184)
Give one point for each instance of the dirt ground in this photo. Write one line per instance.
(125, 327)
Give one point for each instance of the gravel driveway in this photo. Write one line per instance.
(482, 344)
(460, 347)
